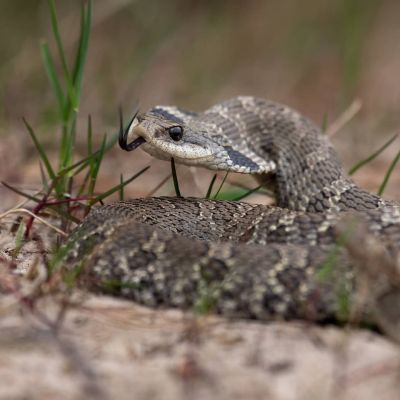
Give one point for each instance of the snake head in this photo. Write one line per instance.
(167, 132)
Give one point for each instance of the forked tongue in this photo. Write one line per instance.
(123, 135)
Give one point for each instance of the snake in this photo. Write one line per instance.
(300, 258)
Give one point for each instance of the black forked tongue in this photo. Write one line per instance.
(135, 144)
(123, 134)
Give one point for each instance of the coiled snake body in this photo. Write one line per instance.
(234, 258)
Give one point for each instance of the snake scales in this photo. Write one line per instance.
(239, 259)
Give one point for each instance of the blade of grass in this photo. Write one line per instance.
(61, 51)
(263, 190)
(90, 143)
(210, 187)
(248, 193)
(56, 32)
(19, 239)
(83, 165)
(66, 155)
(85, 161)
(388, 174)
(52, 75)
(41, 151)
(43, 177)
(74, 92)
(175, 178)
(118, 187)
(86, 18)
(96, 167)
(21, 193)
(85, 180)
(121, 190)
(91, 159)
(220, 186)
(373, 155)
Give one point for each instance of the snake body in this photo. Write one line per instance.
(238, 259)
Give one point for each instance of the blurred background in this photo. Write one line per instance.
(318, 56)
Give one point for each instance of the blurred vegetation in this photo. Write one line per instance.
(195, 52)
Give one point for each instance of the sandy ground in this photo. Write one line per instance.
(112, 349)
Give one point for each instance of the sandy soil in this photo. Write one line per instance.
(112, 349)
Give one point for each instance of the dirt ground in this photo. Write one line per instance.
(112, 349)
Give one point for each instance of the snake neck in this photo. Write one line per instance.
(309, 175)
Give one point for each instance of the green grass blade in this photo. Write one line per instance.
(71, 92)
(21, 193)
(248, 193)
(86, 18)
(96, 167)
(67, 145)
(121, 190)
(388, 174)
(52, 75)
(85, 161)
(90, 143)
(83, 165)
(56, 32)
(372, 156)
(92, 160)
(118, 187)
(210, 187)
(41, 151)
(175, 178)
(82, 187)
(220, 186)
(43, 177)
(19, 239)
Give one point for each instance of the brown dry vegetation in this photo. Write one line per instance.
(317, 56)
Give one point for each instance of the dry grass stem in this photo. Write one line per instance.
(344, 118)
(25, 211)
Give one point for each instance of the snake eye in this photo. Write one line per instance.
(176, 133)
